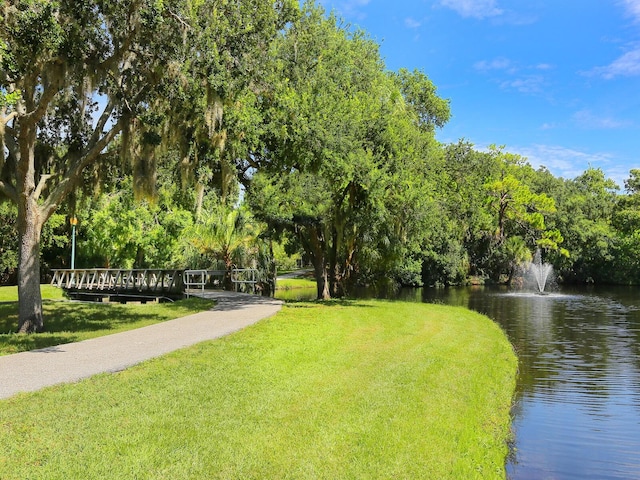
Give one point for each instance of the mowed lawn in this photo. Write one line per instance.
(67, 321)
(339, 390)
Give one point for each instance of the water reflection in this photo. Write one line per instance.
(577, 411)
(296, 294)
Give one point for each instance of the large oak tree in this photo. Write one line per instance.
(77, 75)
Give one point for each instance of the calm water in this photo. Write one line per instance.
(577, 408)
(577, 411)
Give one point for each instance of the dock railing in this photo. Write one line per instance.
(201, 279)
(103, 282)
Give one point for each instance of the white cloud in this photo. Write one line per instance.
(504, 64)
(412, 23)
(525, 84)
(628, 65)
(514, 77)
(543, 66)
(569, 163)
(347, 8)
(474, 8)
(499, 63)
(587, 119)
(632, 7)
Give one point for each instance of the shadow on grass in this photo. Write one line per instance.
(67, 322)
(87, 317)
(15, 343)
(63, 316)
(8, 317)
(339, 302)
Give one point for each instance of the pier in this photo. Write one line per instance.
(124, 285)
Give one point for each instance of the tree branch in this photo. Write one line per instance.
(41, 185)
(8, 118)
(71, 176)
(112, 63)
(179, 19)
(36, 114)
(10, 141)
(102, 121)
(9, 191)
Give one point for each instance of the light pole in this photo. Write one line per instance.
(73, 221)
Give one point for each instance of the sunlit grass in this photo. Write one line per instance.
(345, 390)
(48, 292)
(67, 321)
(293, 283)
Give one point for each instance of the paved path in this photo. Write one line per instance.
(302, 273)
(33, 370)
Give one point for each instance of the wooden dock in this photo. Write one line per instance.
(123, 285)
(120, 284)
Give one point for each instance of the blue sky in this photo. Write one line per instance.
(557, 81)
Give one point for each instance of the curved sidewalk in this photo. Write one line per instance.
(33, 370)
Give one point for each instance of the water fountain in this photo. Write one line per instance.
(539, 272)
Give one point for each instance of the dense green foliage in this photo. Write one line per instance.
(79, 77)
(343, 156)
(372, 390)
(285, 108)
(115, 230)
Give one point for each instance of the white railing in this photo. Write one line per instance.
(151, 281)
(115, 279)
(199, 279)
(244, 276)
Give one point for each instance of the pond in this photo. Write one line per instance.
(577, 407)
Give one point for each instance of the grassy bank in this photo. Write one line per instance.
(348, 390)
(296, 289)
(67, 321)
(295, 283)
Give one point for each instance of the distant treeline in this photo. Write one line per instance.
(262, 133)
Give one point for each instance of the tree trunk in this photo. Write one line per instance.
(322, 278)
(227, 283)
(319, 264)
(334, 266)
(30, 223)
(30, 319)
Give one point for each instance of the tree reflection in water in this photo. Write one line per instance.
(577, 409)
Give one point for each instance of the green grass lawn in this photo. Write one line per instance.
(344, 390)
(293, 283)
(67, 321)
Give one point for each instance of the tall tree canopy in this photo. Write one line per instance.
(342, 149)
(626, 220)
(331, 147)
(75, 75)
(587, 209)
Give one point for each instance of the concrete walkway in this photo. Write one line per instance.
(302, 273)
(33, 370)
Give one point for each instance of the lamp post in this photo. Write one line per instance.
(73, 221)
